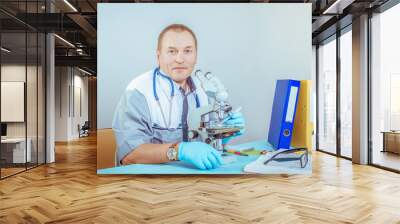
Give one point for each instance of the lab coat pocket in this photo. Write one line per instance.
(163, 135)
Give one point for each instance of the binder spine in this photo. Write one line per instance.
(283, 113)
(290, 112)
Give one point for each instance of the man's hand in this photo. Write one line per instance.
(200, 154)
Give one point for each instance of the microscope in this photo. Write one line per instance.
(207, 123)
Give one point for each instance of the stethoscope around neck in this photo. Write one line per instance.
(155, 73)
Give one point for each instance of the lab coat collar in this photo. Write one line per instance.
(189, 82)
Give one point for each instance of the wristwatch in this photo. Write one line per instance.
(172, 152)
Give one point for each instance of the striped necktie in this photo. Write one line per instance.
(184, 116)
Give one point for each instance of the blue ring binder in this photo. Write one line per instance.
(283, 113)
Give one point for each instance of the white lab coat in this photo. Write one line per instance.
(138, 118)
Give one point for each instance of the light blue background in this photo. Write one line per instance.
(248, 46)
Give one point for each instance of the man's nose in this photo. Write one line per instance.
(179, 57)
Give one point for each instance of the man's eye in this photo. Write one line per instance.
(187, 51)
(171, 51)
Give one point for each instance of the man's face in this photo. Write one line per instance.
(178, 54)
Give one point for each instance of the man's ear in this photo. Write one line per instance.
(158, 57)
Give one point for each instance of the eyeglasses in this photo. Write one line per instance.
(290, 155)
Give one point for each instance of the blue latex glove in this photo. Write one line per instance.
(200, 154)
(235, 119)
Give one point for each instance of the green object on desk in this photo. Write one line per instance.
(253, 152)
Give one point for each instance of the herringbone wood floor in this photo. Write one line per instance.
(69, 191)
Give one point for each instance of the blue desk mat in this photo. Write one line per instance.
(180, 167)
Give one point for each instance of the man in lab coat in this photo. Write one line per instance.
(150, 121)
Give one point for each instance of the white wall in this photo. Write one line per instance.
(79, 117)
(61, 103)
(70, 83)
(33, 126)
(248, 46)
(15, 72)
(12, 73)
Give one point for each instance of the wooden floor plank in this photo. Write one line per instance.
(69, 191)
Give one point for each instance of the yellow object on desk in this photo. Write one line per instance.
(254, 152)
(303, 127)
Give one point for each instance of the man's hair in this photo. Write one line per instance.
(177, 28)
